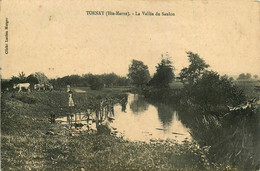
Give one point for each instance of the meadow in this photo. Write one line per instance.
(31, 142)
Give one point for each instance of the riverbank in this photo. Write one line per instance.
(30, 141)
(207, 99)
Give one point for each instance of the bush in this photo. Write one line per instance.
(166, 95)
(212, 90)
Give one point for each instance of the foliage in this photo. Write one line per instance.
(5, 84)
(22, 77)
(122, 81)
(212, 90)
(164, 95)
(164, 74)
(73, 80)
(138, 73)
(32, 79)
(109, 79)
(41, 77)
(195, 69)
(207, 89)
(95, 82)
(15, 80)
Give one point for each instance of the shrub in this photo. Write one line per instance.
(212, 90)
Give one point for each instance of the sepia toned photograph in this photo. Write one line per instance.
(130, 85)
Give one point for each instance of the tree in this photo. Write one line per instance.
(195, 69)
(138, 73)
(243, 76)
(214, 90)
(255, 76)
(41, 77)
(248, 76)
(32, 79)
(15, 80)
(74, 80)
(122, 81)
(164, 73)
(109, 79)
(95, 82)
(22, 77)
(5, 84)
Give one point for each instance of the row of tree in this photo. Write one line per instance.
(35, 78)
(86, 80)
(95, 82)
(246, 76)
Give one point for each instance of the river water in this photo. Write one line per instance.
(142, 121)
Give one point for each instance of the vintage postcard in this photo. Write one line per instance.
(130, 85)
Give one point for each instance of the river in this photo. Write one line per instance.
(143, 121)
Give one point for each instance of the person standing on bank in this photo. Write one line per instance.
(71, 105)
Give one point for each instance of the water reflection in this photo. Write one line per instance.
(143, 121)
(165, 114)
(137, 104)
(123, 103)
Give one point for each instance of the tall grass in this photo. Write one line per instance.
(233, 140)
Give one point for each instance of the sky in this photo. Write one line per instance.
(59, 38)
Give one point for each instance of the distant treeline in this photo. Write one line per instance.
(91, 80)
(86, 80)
(246, 76)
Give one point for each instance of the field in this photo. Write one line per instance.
(249, 88)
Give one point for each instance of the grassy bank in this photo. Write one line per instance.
(29, 141)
